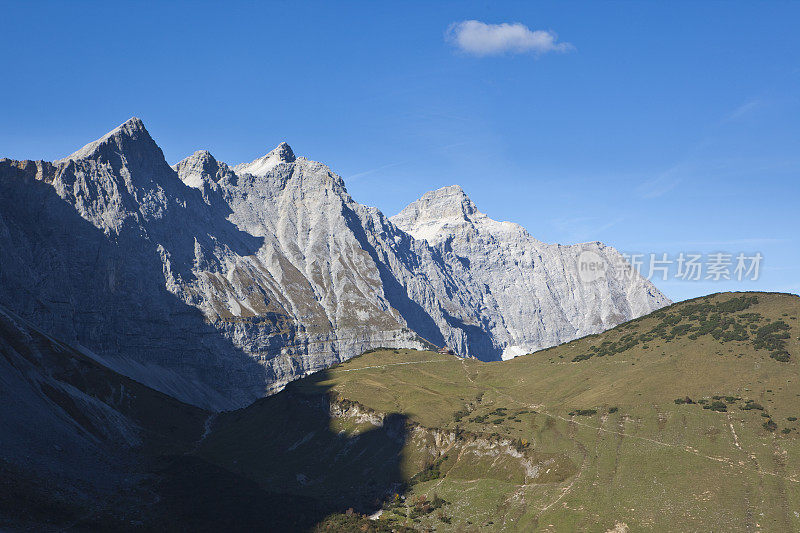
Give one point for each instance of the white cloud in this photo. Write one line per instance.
(481, 39)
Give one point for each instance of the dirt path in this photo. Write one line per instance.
(466, 371)
(566, 490)
(733, 432)
(390, 364)
(684, 448)
(687, 449)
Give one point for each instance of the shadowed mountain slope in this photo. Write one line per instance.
(84, 448)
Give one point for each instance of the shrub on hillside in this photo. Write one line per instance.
(461, 413)
(734, 305)
(717, 405)
(431, 471)
(583, 412)
(781, 355)
(772, 336)
(729, 399)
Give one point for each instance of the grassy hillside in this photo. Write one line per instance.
(684, 420)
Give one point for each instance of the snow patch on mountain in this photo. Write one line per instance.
(263, 165)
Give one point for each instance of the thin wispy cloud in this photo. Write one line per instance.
(756, 242)
(481, 39)
(453, 145)
(745, 109)
(354, 177)
(583, 229)
(658, 186)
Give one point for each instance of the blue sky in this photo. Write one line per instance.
(653, 127)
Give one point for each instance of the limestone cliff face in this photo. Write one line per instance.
(533, 292)
(219, 284)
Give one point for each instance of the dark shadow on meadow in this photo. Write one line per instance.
(283, 463)
(278, 465)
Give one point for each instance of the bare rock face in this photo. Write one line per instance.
(219, 284)
(99, 250)
(534, 292)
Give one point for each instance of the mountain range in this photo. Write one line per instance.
(208, 347)
(219, 284)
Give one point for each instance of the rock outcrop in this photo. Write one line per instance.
(219, 284)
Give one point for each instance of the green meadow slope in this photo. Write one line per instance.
(683, 420)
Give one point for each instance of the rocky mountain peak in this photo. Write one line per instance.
(130, 138)
(201, 158)
(452, 195)
(284, 151)
(447, 202)
(260, 167)
(126, 158)
(428, 217)
(199, 166)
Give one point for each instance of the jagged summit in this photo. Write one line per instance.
(199, 166)
(285, 152)
(448, 190)
(450, 201)
(203, 154)
(200, 157)
(260, 167)
(128, 136)
(273, 172)
(428, 217)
